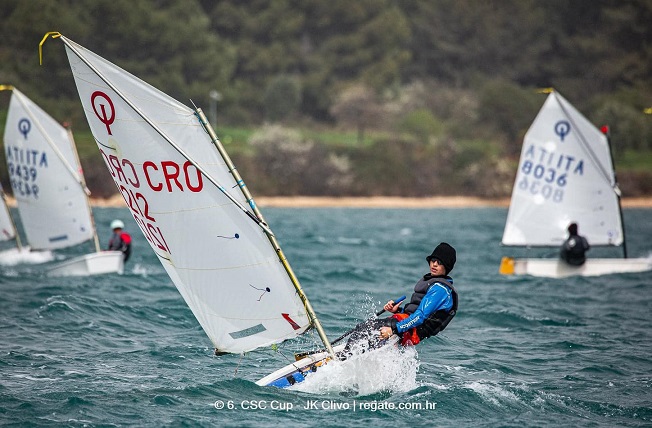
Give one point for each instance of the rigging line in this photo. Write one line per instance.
(587, 147)
(278, 351)
(159, 131)
(235, 373)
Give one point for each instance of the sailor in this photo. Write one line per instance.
(120, 240)
(574, 248)
(430, 309)
(432, 305)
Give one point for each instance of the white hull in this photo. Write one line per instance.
(297, 371)
(90, 264)
(555, 268)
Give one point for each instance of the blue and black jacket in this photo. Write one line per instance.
(432, 306)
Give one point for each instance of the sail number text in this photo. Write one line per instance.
(164, 176)
(23, 166)
(546, 173)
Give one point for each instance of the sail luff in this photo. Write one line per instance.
(585, 144)
(52, 145)
(221, 262)
(272, 239)
(166, 137)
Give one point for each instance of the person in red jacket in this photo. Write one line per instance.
(120, 240)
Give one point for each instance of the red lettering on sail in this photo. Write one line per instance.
(122, 171)
(105, 117)
(126, 178)
(146, 166)
(172, 176)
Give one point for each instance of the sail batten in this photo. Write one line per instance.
(190, 209)
(565, 175)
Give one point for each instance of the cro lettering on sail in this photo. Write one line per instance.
(134, 179)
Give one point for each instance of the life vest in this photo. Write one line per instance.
(573, 250)
(121, 242)
(438, 320)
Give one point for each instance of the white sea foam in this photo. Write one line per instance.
(14, 256)
(390, 368)
(492, 393)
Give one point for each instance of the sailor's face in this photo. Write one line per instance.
(437, 268)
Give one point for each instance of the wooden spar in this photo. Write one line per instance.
(601, 169)
(82, 181)
(272, 239)
(617, 191)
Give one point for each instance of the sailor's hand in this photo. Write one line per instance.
(385, 332)
(391, 307)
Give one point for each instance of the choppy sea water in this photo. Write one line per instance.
(125, 350)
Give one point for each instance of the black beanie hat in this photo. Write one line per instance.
(445, 254)
(572, 228)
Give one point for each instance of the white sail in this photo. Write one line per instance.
(7, 229)
(565, 175)
(220, 260)
(44, 175)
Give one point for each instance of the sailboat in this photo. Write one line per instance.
(49, 187)
(194, 209)
(565, 175)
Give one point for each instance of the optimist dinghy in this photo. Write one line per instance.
(565, 175)
(48, 184)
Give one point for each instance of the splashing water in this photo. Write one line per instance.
(388, 369)
(14, 256)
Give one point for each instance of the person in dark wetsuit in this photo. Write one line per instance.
(573, 250)
(120, 240)
(431, 307)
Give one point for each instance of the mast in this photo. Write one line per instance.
(82, 180)
(272, 239)
(607, 132)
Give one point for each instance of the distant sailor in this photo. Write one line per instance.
(120, 240)
(574, 248)
(430, 309)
